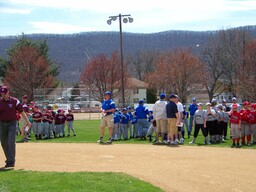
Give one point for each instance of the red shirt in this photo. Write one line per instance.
(235, 117)
(70, 117)
(60, 119)
(46, 117)
(245, 115)
(37, 114)
(8, 109)
(252, 117)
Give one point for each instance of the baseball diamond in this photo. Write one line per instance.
(179, 168)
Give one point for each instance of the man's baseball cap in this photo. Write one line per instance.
(162, 96)
(124, 109)
(141, 101)
(173, 96)
(4, 89)
(194, 99)
(108, 93)
(129, 107)
(24, 97)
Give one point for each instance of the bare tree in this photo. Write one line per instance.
(103, 74)
(176, 71)
(246, 73)
(142, 63)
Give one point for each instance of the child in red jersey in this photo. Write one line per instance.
(253, 122)
(235, 125)
(245, 124)
(70, 122)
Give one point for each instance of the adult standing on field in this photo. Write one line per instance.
(8, 107)
(192, 109)
(172, 118)
(108, 108)
(159, 113)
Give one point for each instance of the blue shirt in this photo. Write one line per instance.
(131, 115)
(171, 110)
(150, 118)
(117, 118)
(141, 112)
(108, 104)
(125, 118)
(192, 109)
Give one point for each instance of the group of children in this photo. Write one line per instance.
(46, 123)
(125, 125)
(215, 120)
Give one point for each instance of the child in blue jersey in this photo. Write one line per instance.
(124, 124)
(185, 116)
(130, 128)
(152, 125)
(116, 128)
(134, 128)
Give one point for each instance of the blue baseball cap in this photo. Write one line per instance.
(194, 99)
(141, 101)
(129, 107)
(162, 96)
(173, 96)
(124, 109)
(108, 93)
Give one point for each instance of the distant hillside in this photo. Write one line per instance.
(73, 51)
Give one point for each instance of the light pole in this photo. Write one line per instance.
(126, 18)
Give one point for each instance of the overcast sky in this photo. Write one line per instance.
(74, 16)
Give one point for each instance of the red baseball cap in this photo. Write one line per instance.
(4, 89)
(234, 106)
(246, 103)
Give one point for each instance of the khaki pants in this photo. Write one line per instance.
(172, 128)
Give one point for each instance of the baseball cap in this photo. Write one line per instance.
(141, 101)
(207, 104)
(162, 96)
(201, 104)
(4, 89)
(246, 103)
(224, 101)
(46, 101)
(194, 99)
(124, 109)
(234, 99)
(184, 106)
(108, 93)
(234, 106)
(129, 107)
(25, 97)
(172, 96)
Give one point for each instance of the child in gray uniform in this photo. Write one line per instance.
(200, 123)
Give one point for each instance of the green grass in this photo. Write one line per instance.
(15, 181)
(88, 132)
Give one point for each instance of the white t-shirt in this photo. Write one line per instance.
(159, 110)
(180, 109)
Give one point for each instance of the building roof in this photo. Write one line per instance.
(136, 83)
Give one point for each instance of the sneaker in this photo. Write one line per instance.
(68, 135)
(249, 144)
(74, 135)
(109, 141)
(100, 140)
(168, 142)
(181, 141)
(238, 145)
(209, 143)
(191, 142)
(233, 145)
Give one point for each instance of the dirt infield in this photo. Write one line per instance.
(181, 168)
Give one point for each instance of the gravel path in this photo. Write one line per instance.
(181, 168)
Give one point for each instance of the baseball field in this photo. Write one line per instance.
(167, 168)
